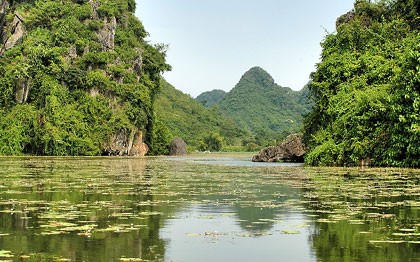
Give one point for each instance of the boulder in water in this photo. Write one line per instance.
(291, 149)
(178, 147)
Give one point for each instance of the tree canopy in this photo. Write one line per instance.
(366, 89)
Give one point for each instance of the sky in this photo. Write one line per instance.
(212, 43)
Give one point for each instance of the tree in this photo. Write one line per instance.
(366, 90)
(212, 142)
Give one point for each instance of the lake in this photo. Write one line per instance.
(204, 208)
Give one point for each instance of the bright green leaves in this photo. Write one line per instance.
(16, 128)
(84, 77)
(161, 137)
(405, 110)
(366, 92)
(212, 142)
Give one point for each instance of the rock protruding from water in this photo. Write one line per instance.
(291, 149)
(178, 147)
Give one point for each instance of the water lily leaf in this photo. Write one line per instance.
(6, 254)
(407, 229)
(301, 226)
(193, 234)
(290, 232)
(47, 233)
(387, 241)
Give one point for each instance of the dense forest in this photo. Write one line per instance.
(77, 78)
(366, 89)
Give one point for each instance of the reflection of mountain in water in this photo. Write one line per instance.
(108, 208)
(255, 219)
(257, 200)
(262, 211)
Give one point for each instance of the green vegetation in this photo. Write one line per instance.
(366, 88)
(267, 111)
(201, 128)
(210, 98)
(81, 74)
(256, 113)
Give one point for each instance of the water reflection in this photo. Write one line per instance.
(204, 209)
(199, 234)
(365, 215)
(79, 209)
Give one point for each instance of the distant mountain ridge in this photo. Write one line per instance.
(262, 107)
(210, 98)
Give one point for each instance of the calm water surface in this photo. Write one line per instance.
(204, 208)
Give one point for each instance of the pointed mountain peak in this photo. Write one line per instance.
(257, 75)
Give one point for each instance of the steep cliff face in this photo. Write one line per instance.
(84, 71)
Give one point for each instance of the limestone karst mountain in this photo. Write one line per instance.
(265, 109)
(77, 78)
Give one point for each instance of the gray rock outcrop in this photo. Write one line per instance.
(22, 90)
(106, 35)
(17, 32)
(291, 149)
(178, 147)
(14, 31)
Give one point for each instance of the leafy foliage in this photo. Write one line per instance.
(212, 142)
(367, 89)
(75, 80)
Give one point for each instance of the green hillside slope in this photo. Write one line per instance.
(201, 128)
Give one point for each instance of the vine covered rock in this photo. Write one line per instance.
(77, 78)
(366, 89)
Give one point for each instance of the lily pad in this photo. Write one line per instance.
(290, 232)
(6, 254)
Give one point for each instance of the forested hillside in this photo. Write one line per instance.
(210, 98)
(76, 78)
(367, 88)
(269, 112)
(201, 128)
